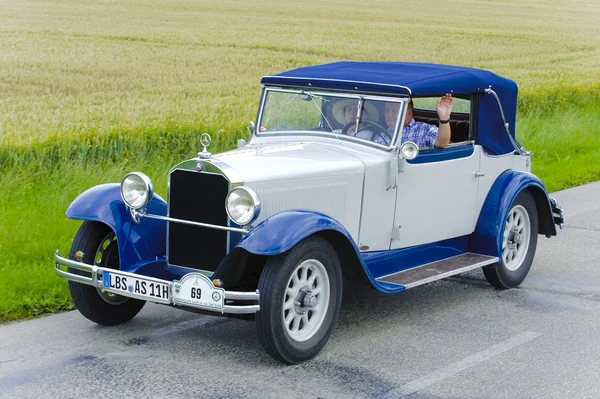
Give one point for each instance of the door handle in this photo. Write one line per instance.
(479, 174)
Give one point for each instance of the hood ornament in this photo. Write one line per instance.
(205, 141)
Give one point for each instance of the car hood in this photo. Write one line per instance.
(273, 162)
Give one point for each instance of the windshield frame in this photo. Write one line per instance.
(403, 101)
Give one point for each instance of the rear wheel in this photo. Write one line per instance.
(99, 245)
(300, 299)
(519, 241)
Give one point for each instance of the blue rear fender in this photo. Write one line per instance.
(137, 242)
(487, 238)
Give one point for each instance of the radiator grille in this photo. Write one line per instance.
(198, 197)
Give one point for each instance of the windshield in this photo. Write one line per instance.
(354, 117)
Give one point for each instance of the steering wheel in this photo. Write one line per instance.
(364, 125)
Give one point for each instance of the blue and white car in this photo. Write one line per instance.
(270, 231)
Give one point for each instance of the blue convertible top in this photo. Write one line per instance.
(397, 78)
(418, 80)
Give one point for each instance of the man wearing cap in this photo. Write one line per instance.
(421, 133)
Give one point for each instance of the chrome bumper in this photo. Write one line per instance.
(96, 281)
(557, 213)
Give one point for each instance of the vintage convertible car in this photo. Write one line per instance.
(270, 231)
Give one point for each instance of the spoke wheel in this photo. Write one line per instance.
(519, 241)
(99, 246)
(515, 242)
(306, 299)
(300, 299)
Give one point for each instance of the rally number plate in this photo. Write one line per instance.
(197, 290)
(136, 287)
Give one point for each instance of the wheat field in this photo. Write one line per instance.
(73, 67)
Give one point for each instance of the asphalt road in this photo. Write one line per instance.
(456, 338)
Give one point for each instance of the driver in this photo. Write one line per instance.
(345, 112)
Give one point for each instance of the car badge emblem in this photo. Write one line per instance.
(205, 141)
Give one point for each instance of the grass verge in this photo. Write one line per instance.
(33, 199)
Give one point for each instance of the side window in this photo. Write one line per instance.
(459, 105)
(425, 111)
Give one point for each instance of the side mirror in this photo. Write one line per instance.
(251, 127)
(409, 150)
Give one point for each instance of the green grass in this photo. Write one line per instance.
(565, 145)
(33, 226)
(33, 200)
(91, 90)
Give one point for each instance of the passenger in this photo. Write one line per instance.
(421, 133)
(345, 111)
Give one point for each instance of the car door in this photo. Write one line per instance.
(436, 196)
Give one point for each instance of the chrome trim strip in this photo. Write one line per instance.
(214, 166)
(339, 80)
(259, 115)
(142, 215)
(93, 281)
(399, 123)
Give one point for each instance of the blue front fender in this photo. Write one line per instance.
(137, 242)
(487, 238)
(282, 231)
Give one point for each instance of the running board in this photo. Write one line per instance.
(437, 270)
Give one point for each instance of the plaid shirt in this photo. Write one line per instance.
(420, 133)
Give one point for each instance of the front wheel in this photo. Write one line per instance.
(99, 245)
(300, 299)
(519, 241)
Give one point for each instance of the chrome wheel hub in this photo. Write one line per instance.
(305, 300)
(514, 238)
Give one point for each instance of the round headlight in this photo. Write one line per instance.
(409, 150)
(242, 205)
(136, 190)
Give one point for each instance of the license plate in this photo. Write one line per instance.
(195, 289)
(136, 287)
